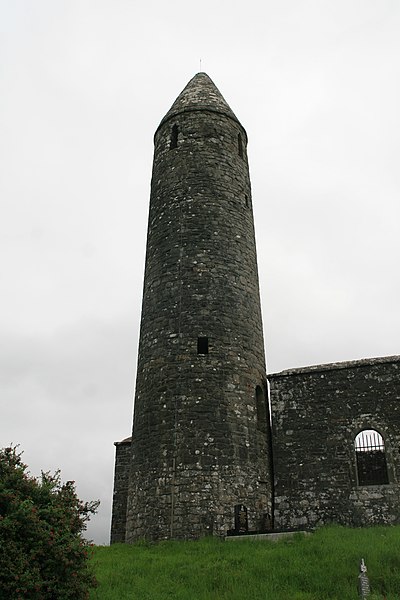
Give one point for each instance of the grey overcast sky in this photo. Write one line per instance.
(83, 86)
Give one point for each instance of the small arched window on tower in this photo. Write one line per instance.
(371, 458)
(240, 145)
(174, 137)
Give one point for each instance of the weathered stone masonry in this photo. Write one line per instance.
(202, 440)
(317, 414)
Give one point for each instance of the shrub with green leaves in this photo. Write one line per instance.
(42, 552)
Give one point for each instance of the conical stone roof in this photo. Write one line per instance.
(201, 93)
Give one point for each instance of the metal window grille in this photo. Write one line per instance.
(371, 458)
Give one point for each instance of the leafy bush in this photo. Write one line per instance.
(42, 552)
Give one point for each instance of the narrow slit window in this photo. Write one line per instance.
(202, 345)
(174, 137)
(246, 198)
(240, 145)
(261, 408)
(371, 458)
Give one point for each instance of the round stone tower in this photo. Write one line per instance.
(201, 442)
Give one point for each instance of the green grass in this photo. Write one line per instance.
(317, 567)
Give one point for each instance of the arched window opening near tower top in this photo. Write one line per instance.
(174, 137)
(240, 145)
(202, 345)
(371, 458)
(261, 407)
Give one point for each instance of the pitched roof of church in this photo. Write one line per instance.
(201, 93)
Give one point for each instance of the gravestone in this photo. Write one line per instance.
(364, 589)
(241, 520)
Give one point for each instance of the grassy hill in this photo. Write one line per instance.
(317, 567)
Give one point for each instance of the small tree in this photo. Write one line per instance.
(42, 552)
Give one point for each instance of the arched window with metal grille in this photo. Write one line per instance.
(370, 452)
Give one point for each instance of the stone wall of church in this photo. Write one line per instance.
(123, 453)
(317, 413)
